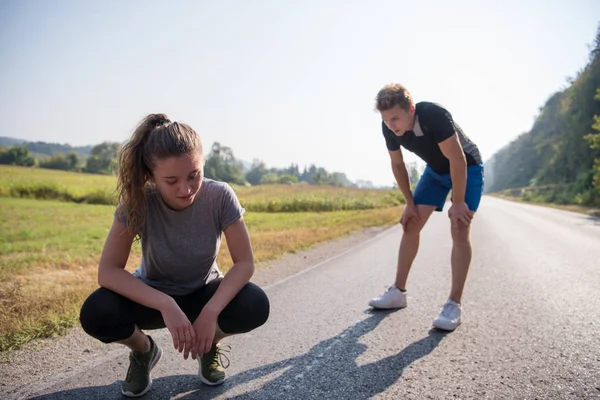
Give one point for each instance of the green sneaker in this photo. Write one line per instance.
(138, 380)
(211, 370)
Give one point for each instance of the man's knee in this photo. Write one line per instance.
(412, 229)
(460, 233)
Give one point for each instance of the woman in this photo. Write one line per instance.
(179, 217)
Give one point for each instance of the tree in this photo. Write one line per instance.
(221, 165)
(288, 179)
(594, 141)
(17, 155)
(256, 172)
(103, 159)
(413, 173)
(552, 153)
(319, 177)
(61, 162)
(269, 179)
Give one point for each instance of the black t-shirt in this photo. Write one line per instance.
(433, 125)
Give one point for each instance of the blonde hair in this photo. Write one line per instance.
(154, 138)
(392, 95)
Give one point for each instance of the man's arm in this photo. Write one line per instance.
(453, 151)
(401, 175)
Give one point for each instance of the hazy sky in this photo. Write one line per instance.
(284, 81)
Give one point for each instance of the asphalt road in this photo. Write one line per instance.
(531, 327)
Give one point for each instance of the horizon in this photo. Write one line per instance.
(254, 79)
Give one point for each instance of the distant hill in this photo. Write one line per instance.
(44, 148)
(47, 149)
(8, 141)
(555, 151)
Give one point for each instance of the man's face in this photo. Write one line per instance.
(399, 120)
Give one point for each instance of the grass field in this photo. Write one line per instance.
(99, 189)
(56, 185)
(591, 211)
(49, 250)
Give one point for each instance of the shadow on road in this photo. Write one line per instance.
(586, 220)
(328, 370)
(595, 218)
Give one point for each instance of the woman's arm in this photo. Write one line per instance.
(112, 274)
(238, 243)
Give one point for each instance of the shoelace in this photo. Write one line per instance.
(447, 310)
(137, 367)
(220, 353)
(221, 350)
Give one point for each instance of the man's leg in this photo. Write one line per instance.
(429, 195)
(450, 314)
(449, 317)
(460, 259)
(461, 241)
(409, 245)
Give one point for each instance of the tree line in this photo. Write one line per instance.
(101, 159)
(562, 149)
(221, 164)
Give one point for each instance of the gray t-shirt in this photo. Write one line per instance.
(179, 248)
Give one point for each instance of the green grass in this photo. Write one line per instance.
(55, 185)
(591, 211)
(50, 233)
(74, 187)
(49, 251)
(291, 198)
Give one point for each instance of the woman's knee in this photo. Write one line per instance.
(99, 310)
(249, 310)
(258, 303)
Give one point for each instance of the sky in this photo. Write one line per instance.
(284, 82)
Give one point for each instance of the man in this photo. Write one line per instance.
(453, 163)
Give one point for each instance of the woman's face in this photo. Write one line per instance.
(178, 179)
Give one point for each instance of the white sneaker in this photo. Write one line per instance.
(392, 298)
(449, 317)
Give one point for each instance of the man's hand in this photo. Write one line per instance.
(410, 212)
(460, 214)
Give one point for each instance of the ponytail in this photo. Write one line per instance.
(155, 137)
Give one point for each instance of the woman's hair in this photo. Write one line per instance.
(154, 138)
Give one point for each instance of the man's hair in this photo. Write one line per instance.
(392, 95)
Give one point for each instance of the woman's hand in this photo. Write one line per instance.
(205, 327)
(180, 328)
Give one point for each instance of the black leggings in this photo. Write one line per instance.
(110, 317)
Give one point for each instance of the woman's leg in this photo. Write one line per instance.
(113, 318)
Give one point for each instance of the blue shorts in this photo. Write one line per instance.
(433, 188)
